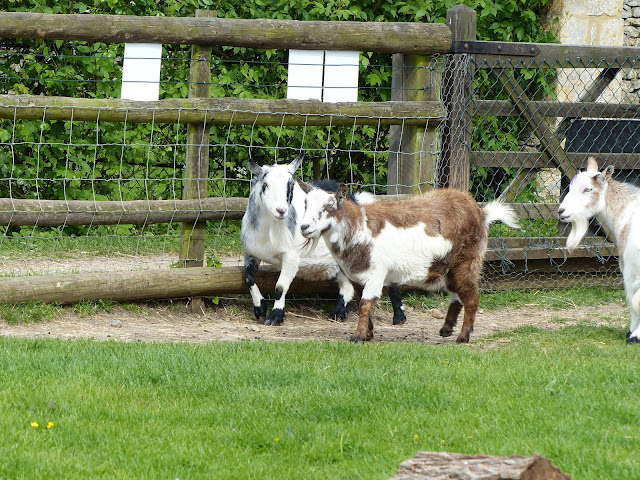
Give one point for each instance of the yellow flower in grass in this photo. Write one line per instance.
(34, 424)
(416, 437)
(50, 425)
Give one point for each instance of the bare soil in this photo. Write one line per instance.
(233, 320)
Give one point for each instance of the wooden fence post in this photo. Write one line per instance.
(457, 94)
(412, 150)
(196, 173)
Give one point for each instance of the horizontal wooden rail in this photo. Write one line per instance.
(222, 111)
(47, 213)
(384, 37)
(144, 285)
(535, 160)
(504, 108)
(206, 281)
(23, 212)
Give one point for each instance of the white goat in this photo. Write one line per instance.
(617, 206)
(430, 241)
(270, 233)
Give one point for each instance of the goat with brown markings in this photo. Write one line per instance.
(431, 241)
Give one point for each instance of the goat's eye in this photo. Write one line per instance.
(587, 190)
(264, 187)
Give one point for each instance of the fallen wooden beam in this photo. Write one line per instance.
(456, 466)
(146, 284)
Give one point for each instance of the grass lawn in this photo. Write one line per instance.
(318, 409)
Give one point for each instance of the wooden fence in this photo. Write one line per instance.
(412, 41)
(420, 113)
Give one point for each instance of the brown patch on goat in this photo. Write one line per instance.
(359, 253)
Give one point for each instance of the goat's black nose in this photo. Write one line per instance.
(561, 210)
(281, 210)
(304, 227)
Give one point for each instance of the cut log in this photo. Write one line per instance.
(456, 466)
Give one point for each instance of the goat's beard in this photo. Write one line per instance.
(311, 243)
(579, 228)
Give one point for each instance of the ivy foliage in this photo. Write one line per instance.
(76, 160)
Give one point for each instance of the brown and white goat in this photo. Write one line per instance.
(431, 241)
(617, 206)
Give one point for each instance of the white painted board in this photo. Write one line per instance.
(341, 71)
(305, 74)
(141, 71)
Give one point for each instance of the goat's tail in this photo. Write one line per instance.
(364, 198)
(635, 302)
(499, 212)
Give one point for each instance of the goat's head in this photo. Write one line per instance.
(320, 210)
(585, 199)
(273, 185)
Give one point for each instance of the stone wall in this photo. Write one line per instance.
(631, 79)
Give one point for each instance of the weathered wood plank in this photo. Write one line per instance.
(457, 94)
(384, 37)
(504, 108)
(143, 212)
(412, 156)
(534, 160)
(549, 143)
(46, 213)
(144, 285)
(222, 111)
(446, 466)
(196, 169)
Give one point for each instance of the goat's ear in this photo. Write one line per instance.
(306, 188)
(295, 165)
(605, 176)
(254, 167)
(341, 193)
(609, 171)
(592, 165)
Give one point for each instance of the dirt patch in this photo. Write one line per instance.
(234, 320)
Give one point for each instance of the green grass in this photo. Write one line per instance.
(223, 238)
(317, 409)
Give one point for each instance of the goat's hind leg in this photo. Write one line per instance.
(251, 265)
(346, 295)
(396, 302)
(452, 316)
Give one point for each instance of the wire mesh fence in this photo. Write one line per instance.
(525, 123)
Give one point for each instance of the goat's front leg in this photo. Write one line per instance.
(288, 272)
(370, 294)
(251, 265)
(346, 295)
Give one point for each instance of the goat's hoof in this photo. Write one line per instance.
(446, 331)
(340, 312)
(361, 338)
(276, 317)
(628, 333)
(632, 340)
(399, 319)
(462, 339)
(260, 311)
